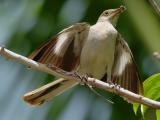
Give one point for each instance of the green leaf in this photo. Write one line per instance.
(135, 107)
(151, 89)
(158, 114)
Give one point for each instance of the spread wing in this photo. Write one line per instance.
(124, 71)
(64, 49)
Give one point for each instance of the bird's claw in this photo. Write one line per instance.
(82, 78)
(49, 65)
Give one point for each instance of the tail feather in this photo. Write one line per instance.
(48, 91)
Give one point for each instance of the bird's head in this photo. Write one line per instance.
(111, 15)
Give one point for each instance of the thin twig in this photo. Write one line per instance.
(155, 5)
(91, 81)
(157, 55)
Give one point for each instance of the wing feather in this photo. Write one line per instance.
(64, 49)
(124, 71)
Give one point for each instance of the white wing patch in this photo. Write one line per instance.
(62, 44)
(124, 59)
(125, 72)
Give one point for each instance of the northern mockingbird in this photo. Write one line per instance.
(98, 51)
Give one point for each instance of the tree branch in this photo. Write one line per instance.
(157, 55)
(91, 81)
(155, 5)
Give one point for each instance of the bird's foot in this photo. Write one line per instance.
(110, 82)
(50, 65)
(82, 78)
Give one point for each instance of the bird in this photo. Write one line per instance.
(98, 51)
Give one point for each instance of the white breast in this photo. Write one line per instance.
(98, 50)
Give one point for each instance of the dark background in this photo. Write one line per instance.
(25, 24)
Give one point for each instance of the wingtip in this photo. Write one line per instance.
(31, 101)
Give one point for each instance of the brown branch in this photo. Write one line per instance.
(91, 81)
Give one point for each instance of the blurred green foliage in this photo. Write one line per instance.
(25, 24)
(151, 90)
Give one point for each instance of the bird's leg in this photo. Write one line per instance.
(109, 76)
(111, 83)
(109, 70)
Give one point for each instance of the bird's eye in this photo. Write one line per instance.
(106, 13)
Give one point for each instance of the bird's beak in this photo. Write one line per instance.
(117, 11)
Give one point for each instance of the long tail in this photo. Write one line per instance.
(48, 91)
